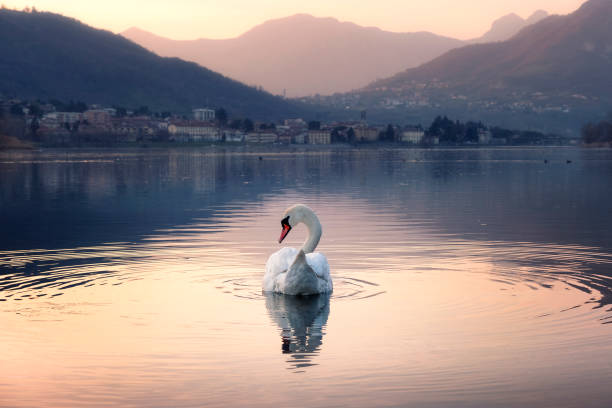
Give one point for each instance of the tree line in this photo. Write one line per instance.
(597, 133)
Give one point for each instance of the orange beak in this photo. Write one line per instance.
(284, 232)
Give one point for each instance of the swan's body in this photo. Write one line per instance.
(299, 272)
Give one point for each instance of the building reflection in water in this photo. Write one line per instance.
(302, 321)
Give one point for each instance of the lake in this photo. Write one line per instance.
(462, 278)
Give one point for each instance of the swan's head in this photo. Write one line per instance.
(292, 217)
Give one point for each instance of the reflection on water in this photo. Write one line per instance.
(302, 321)
(462, 274)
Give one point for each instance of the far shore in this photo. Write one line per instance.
(12, 143)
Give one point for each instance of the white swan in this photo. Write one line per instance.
(298, 272)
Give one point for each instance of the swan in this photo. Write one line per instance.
(298, 272)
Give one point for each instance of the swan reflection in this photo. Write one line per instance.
(302, 320)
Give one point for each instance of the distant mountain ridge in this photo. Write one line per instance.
(555, 72)
(572, 53)
(508, 26)
(45, 55)
(305, 55)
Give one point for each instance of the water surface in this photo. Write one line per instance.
(463, 278)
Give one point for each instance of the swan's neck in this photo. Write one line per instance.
(314, 232)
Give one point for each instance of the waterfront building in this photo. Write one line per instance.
(194, 131)
(319, 137)
(412, 135)
(204, 114)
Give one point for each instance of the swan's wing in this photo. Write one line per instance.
(318, 263)
(277, 264)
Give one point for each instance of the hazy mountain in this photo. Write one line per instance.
(305, 55)
(508, 26)
(45, 55)
(561, 64)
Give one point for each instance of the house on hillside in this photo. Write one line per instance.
(412, 135)
(204, 114)
(97, 116)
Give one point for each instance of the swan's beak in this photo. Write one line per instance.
(284, 232)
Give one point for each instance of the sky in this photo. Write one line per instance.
(191, 19)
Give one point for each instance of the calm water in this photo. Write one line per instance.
(463, 278)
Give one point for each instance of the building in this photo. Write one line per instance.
(295, 123)
(204, 114)
(300, 138)
(133, 129)
(285, 138)
(261, 137)
(60, 119)
(484, 136)
(97, 116)
(412, 135)
(319, 137)
(366, 134)
(194, 131)
(233, 136)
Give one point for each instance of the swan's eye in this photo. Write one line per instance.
(285, 222)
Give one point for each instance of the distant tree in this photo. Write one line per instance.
(247, 125)
(142, 111)
(58, 105)
(388, 135)
(34, 126)
(314, 125)
(236, 124)
(265, 126)
(78, 106)
(471, 132)
(221, 116)
(120, 111)
(16, 109)
(597, 133)
(338, 134)
(350, 135)
(35, 110)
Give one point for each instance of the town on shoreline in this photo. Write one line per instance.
(57, 124)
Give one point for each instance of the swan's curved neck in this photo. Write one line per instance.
(314, 232)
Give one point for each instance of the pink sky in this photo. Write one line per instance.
(190, 19)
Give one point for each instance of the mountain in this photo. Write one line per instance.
(305, 55)
(48, 56)
(561, 64)
(508, 26)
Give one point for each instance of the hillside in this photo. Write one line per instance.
(304, 55)
(570, 53)
(508, 26)
(45, 55)
(560, 65)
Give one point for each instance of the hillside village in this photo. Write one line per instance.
(58, 124)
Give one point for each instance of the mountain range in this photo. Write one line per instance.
(49, 56)
(560, 65)
(565, 54)
(508, 26)
(304, 55)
